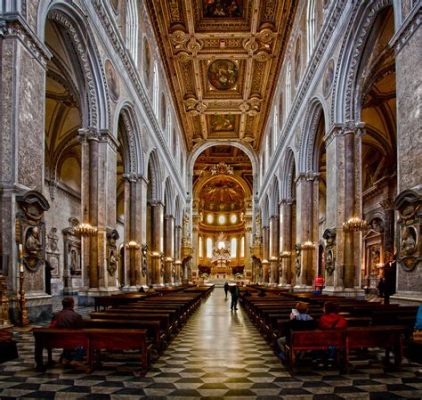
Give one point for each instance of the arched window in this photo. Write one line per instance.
(297, 61)
(280, 111)
(310, 28)
(242, 247)
(155, 89)
(163, 111)
(200, 244)
(288, 88)
(147, 62)
(132, 30)
(233, 248)
(209, 247)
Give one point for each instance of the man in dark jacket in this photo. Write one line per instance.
(69, 318)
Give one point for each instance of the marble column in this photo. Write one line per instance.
(157, 239)
(265, 254)
(285, 242)
(305, 229)
(343, 145)
(388, 207)
(178, 253)
(23, 60)
(133, 231)
(273, 249)
(168, 249)
(407, 43)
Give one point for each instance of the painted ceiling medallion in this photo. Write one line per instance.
(223, 74)
(222, 8)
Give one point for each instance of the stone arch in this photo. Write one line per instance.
(345, 99)
(274, 197)
(178, 211)
(265, 211)
(246, 148)
(169, 197)
(133, 147)
(154, 175)
(288, 173)
(96, 110)
(307, 155)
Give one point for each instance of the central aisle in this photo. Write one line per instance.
(218, 353)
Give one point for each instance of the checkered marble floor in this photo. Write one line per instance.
(218, 354)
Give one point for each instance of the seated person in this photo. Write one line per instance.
(300, 320)
(331, 319)
(68, 318)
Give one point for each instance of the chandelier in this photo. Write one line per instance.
(85, 229)
(355, 224)
(221, 168)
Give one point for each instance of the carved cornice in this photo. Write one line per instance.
(409, 27)
(18, 28)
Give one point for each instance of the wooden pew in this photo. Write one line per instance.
(388, 337)
(93, 340)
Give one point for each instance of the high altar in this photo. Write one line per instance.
(221, 258)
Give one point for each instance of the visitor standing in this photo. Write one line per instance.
(235, 291)
(226, 288)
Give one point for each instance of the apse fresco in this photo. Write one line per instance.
(223, 74)
(222, 8)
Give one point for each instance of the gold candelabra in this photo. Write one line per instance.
(355, 224)
(85, 229)
(23, 313)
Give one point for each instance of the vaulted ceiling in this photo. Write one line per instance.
(223, 59)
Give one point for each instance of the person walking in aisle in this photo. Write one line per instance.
(235, 291)
(226, 288)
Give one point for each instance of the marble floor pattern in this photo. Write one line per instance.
(219, 354)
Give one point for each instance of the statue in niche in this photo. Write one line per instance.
(297, 259)
(74, 262)
(33, 244)
(112, 237)
(408, 241)
(53, 239)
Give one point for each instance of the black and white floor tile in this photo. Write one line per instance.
(218, 355)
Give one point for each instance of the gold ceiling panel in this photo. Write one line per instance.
(222, 58)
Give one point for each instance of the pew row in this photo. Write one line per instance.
(93, 340)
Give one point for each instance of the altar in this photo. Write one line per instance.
(220, 260)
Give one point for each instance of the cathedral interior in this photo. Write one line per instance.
(171, 146)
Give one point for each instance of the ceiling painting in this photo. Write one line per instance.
(222, 8)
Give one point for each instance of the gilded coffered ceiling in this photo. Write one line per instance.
(223, 58)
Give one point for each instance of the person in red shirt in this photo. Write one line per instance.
(331, 319)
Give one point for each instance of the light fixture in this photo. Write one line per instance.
(308, 245)
(355, 224)
(85, 229)
(233, 218)
(133, 245)
(221, 219)
(210, 218)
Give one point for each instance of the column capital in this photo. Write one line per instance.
(288, 202)
(18, 28)
(131, 178)
(307, 176)
(106, 136)
(87, 134)
(343, 129)
(387, 204)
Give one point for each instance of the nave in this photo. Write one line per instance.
(217, 354)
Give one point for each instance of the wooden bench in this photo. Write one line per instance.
(93, 340)
(388, 337)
